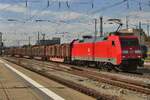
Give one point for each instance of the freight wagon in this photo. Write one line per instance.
(59, 53)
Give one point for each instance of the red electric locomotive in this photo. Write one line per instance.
(113, 51)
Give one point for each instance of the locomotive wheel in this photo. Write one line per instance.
(127, 68)
(98, 65)
(106, 67)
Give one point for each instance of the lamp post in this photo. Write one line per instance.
(101, 26)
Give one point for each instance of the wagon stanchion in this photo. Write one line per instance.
(19, 61)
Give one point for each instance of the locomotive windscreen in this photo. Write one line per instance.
(129, 42)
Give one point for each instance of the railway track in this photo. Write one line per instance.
(75, 86)
(66, 67)
(113, 80)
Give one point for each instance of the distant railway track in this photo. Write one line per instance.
(113, 80)
(68, 66)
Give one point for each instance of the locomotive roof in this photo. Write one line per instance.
(128, 36)
(102, 39)
(92, 39)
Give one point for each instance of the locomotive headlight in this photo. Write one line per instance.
(137, 51)
(125, 51)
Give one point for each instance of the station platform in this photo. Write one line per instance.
(17, 83)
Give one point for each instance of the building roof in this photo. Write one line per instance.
(48, 42)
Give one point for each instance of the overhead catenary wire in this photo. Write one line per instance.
(80, 20)
(128, 6)
(26, 3)
(59, 7)
(48, 3)
(140, 6)
(108, 7)
(39, 11)
(143, 2)
(67, 3)
(103, 9)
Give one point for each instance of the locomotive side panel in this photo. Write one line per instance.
(82, 51)
(115, 50)
(102, 52)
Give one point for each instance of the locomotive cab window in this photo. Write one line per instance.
(129, 42)
(113, 43)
